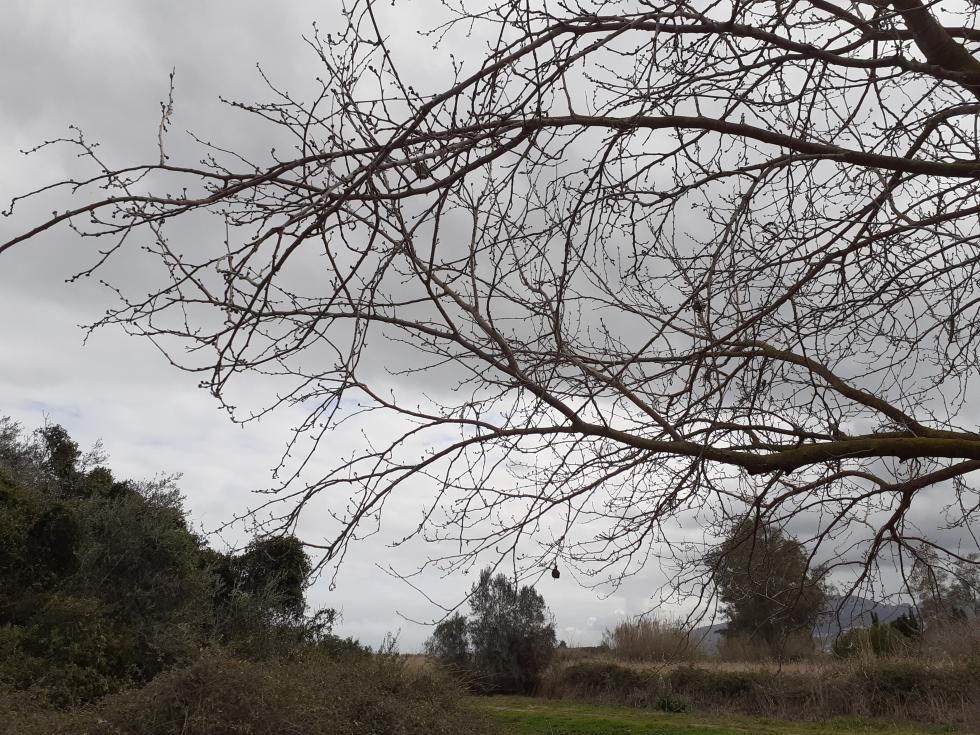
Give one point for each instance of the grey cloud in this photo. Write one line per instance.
(104, 65)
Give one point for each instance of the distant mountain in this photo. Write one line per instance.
(839, 614)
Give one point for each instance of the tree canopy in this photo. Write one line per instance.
(656, 261)
(102, 583)
(767, 588)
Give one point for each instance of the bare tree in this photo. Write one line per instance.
(663, 259)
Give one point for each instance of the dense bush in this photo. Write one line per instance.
(103, 585)
(909, 690)
(450, 644)
(100, 581)
(116, 619)
(311, 695)
(878, 640)
(899, 637)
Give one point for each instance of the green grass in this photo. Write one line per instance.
(528, 716)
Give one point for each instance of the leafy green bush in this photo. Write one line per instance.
(103, 585)
(668, 702)
(97, 591)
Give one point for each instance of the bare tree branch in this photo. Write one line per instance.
(639, 264)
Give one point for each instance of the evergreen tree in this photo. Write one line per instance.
(766, 586)
(508, 639)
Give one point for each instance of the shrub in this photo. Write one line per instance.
(703, 684)
(668, 702)
(598, 677)
(878, 640)
(894, 689)
(449, 644)
(953, 640)
(604, 682)
(100, 581)
(103, 585)
(742, 647)
(313, 695)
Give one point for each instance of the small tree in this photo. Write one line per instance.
(260, 598)
(449, 643)
(766, 586)
(512, 633)
(508, 640)
(278, 569)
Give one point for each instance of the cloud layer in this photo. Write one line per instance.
(104, 65)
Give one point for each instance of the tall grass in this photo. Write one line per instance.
(955, 640)
(936, 678)
(744, 648)
(651, 639)
(898, 690)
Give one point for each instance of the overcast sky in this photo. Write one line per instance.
(103, 65)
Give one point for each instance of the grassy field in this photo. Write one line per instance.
(529, 716)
